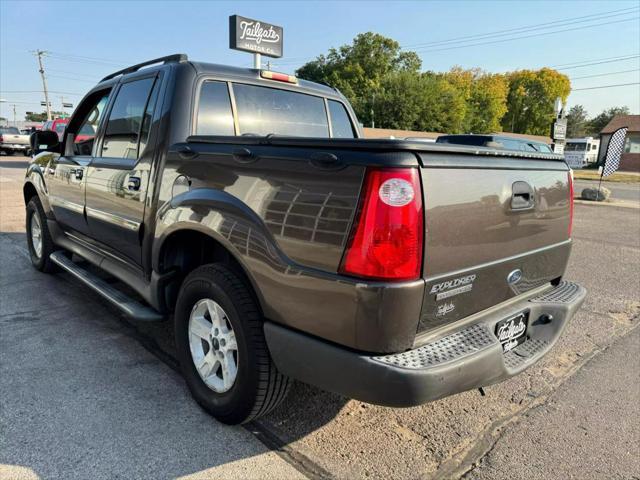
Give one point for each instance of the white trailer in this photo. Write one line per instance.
(579, 152)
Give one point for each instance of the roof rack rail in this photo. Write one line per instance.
(175, 58)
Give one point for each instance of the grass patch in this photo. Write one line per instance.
(619, 177)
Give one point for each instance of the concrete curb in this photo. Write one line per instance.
(615, 203)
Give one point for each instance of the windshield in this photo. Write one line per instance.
(10, 130)
(575, 147)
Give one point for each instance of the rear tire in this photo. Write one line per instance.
(40, 243)
(256, 387)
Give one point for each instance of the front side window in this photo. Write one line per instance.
(264, 110)
(340, 124)
(214, 110)
(91, 113)
(123, 132)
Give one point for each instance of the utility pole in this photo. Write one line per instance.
(40, 54)
(14, 115)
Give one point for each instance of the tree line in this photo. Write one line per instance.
(580, 125)
(386, 86)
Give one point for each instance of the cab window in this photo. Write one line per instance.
(124, 133)
(84, 132)
(340, 124)
(214, 110)
(264, 111)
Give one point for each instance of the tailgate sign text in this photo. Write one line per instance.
(255, 36)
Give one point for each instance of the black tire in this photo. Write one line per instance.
(258, 387)
(40, 262)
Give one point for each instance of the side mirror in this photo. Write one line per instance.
(44, 141)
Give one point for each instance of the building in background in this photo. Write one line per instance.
(630, 160)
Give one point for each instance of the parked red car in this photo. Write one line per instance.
(60, 124)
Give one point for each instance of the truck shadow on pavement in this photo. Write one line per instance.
(81, 399)
(22, 164)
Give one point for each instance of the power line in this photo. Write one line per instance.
(72, 78)
(39, 91)
(72, 73)
(600, 63)
(430, 50)
(606, 74)
(523, 29)
(631, 55)
(606, 86)
(83, 59)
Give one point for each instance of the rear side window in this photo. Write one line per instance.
(214, 110)
(122, 135)
(340, 124)
(264, 110)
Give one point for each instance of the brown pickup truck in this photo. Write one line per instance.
(243, 205)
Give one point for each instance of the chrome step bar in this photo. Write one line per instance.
(119, 299)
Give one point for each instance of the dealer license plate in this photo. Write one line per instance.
(512, 331)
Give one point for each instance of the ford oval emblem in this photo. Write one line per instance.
(514, 277)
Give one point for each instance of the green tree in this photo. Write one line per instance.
(531, 98)
(413, 101)
(358, 70)
(485, 97)
(596, 124)
(577, 122)
(42, 117)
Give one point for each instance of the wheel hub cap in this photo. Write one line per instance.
(36, 234)
(212, 342)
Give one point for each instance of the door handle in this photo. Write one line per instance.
(185, 152)
(243, 155)
(325, 161)
(521, 196)
(134, 183)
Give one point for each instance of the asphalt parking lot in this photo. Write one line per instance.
(86, 394)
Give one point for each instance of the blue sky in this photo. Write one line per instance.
(119, 33)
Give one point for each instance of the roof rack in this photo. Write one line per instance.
(175, 58)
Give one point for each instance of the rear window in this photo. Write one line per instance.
(340, 123)
(60, 127)
(263, 110)
(10, 130)
(214, 110)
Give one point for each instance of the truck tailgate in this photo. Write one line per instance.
(495, 228)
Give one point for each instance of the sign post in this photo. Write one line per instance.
(254, 36)
(559, 127)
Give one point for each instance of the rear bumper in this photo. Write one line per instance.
(464, 359)
(13, 146)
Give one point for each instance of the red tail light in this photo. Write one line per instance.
(386, 238)
(1, 139)
(570, 178)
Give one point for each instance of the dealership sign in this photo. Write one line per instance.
(255, 36)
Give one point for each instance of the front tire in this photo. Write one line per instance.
(38, 237)
(221, 347)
